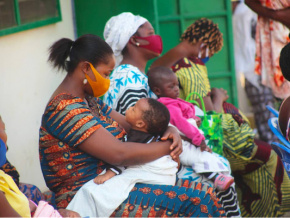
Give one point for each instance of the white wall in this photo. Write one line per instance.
(26, 83)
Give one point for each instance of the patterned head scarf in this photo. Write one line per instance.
(118, 31)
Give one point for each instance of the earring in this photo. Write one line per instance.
(137, 44)
(85, 81)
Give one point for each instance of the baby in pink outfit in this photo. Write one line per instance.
(164, 83)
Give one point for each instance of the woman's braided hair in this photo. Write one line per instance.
(206, 31)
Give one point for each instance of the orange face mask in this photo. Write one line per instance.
(101, 85)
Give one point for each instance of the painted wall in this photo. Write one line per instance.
(26, 84)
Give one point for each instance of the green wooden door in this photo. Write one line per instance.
(169, 18)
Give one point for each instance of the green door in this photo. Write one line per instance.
(169, 18)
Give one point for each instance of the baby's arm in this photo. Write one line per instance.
(177, 119)
(100, 179)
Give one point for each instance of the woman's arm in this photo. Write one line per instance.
(182, 50)
(103, 145)
(256, 6)
(5, 208)
(215, 101)
(282, 15)
(176, 146)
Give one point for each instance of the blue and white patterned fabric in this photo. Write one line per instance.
(128, 85)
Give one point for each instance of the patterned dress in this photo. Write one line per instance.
(271, 37)
(128, 85)
(263, 185)
(66, 123)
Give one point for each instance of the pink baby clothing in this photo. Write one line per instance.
(180, 111)
(45, 210)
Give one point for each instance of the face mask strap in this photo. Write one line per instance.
(206, 51)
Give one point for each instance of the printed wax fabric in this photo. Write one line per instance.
(271, 37)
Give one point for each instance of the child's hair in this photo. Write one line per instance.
(285, 61)
(157, 117)
(206, 31)
(156, 74)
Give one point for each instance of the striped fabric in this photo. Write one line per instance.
(191, 71)
(229, 199)
(128, 85)
(129, 99)
(66, 123)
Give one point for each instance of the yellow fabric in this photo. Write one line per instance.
(193, 79)
(14, 196)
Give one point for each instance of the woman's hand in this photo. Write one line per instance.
(176, 146)
(219, 93)
(32, 206)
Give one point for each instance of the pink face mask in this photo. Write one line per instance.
(155, 43)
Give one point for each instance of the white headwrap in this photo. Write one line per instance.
(118, 31)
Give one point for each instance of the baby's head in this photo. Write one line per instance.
(163, 82)
(148, 115)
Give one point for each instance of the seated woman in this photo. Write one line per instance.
(263, 185)
(80, 135)
(134, 43)
(30, 191)
(13, 203)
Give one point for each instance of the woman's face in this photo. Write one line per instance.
(146, 30)
(106, 69)
(98, 88)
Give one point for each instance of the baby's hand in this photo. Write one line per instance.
(198, 121)
(100, 179)
(68, 213)
(204, 147)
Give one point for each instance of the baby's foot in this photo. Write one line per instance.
(223, 182)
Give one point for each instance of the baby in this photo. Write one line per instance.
(149, 119)
(164, 83)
